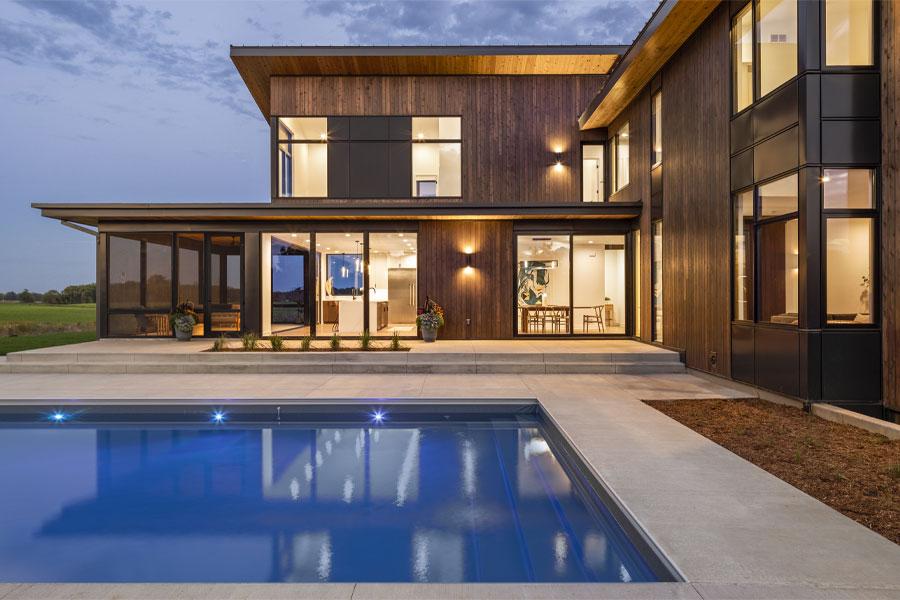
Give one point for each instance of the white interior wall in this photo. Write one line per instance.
(791, 267)
(614, 274)
(265, 272)
(848, 261)
(310, 162)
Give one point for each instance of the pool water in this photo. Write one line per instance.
(471, 501)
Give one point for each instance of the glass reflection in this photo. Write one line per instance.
(456, 502)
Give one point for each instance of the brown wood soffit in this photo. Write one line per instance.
(257, 65)
(669, 27)
(94, 214)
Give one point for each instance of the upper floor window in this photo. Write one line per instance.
(849, 35)
(436, 156)
(777, 36)
(620, 159)
(592, 173)
(303, 157)
(656, 126)
(742, 59)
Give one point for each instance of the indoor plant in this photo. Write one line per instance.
(430, 319)
(183, 320)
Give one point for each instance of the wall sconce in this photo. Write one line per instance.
(468, 270)
(559, 165)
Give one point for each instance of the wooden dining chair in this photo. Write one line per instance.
(596, 317)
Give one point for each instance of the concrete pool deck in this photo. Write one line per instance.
(733, 530)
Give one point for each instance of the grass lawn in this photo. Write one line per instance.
(29, 342)
(849, 469)
(27, 326)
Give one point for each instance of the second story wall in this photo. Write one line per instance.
(513, 128)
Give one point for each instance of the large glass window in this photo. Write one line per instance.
(850, 265)
(542, 284)
(341, 283)
(436, 128)
(139, 284)
(190, 273)
(777, 36)
(656, 276)
(743, 256)
(436, 169)
(225, 282)
(598, 284)
(592, 173)
(285, 306)
(393, 291)
(620, 158)
(779, 197)
(779, 251)
(637, 282)
(742, 59)
(848, 188)
(849, 33)
(303, 157)
(656, 126)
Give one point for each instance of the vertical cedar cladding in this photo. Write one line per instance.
(890, 212)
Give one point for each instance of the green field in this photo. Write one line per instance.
(27, 326)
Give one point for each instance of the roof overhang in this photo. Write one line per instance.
(95, 214)
(670, 26)
(257, 64)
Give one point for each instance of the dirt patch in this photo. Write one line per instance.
(849, 469)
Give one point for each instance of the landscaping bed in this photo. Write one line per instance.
(849, 469)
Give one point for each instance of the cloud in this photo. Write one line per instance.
(91, 38)
(487, 22)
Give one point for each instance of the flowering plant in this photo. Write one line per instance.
(184, 318)
(431, 316)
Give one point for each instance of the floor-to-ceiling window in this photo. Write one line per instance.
(742, 59)
(341, 285)
(226, 294)
(190, 274)
(656, 280)
(592, 181)
(637, 282)
(777, 37)
(570, 284)
(393, 288)
(286, 296)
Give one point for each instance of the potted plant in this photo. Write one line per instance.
(430, 319)
(183, 320)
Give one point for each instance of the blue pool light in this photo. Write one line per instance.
(59, 417)
(378, 416)
(218, 417)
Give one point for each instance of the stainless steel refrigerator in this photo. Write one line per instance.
(401, 295)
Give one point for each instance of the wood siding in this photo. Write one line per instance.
(696, 200)
(485, 295)
(890, 214)
(512, 126)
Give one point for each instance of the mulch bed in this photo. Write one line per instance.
(849, 469)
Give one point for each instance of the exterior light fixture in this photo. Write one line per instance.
(378, 416)
(58, 417)
(825, 178)
(468, 270)
(559, 165)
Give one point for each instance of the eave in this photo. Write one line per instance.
(258, 64)
(670, 26)
(95, 214)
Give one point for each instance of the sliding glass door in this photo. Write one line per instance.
(571, 284)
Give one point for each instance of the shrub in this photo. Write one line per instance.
(335, 342)
(184, 317)
(395, 341)
(249, 341)
(305, 344)
(220, 344)
(365, 340)
(277, 343)
(430, 320)
(893, 471)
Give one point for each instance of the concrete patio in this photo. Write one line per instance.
(732, 530)
(145, 356)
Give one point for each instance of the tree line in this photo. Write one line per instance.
(73, 294)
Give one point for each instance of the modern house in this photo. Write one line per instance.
(725, 186)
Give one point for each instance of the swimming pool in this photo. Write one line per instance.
(355, 497)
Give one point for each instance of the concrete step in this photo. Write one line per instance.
(338, 368)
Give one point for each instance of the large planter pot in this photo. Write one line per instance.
(183, 336)
(428, 334)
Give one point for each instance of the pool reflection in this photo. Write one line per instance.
(437, 503)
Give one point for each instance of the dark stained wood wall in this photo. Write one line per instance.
(485, 295)
(511, 125)
(890, 196)
(696, 199)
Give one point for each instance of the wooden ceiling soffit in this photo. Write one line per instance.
(669, 27)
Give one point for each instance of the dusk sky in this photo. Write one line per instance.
(139, 102)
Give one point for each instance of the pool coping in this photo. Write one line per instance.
(603, 419)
